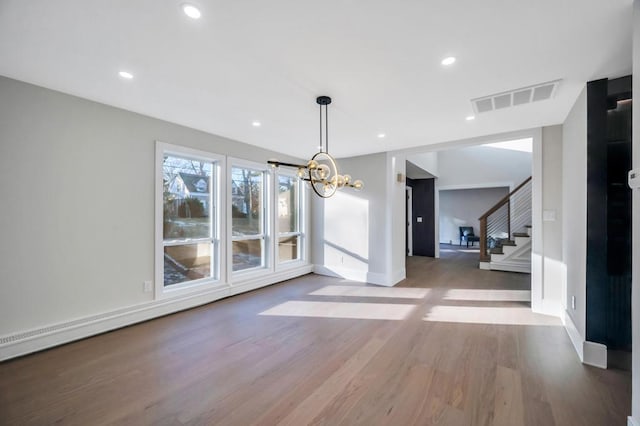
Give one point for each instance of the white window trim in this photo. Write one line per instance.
(239, 277)
(219, 229)
(303, 209)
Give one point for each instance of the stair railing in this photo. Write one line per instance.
(512, 212)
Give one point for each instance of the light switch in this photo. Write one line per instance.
(549, 215)
(419, 219)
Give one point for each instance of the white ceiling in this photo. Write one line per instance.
(379, 60)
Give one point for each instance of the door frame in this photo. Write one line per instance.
(409, 220)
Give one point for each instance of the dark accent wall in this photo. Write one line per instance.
(608, 286)
(423, 206)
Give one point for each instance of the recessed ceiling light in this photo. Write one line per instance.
(191, 11)
(126, 75)
(470, 117)
(381, 135)
(256, 124)
(449, 60)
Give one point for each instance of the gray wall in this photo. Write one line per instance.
(77, 185)
(574, 206)
(463, 207)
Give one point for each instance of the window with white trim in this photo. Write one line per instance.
(289, 217)
(189, 238)
(249, 217)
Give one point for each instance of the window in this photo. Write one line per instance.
(248, 217)
(189, 247)
(288, 218)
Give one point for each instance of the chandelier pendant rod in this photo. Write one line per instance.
(326, 126)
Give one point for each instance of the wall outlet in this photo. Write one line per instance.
(147, 287)
(573, 303)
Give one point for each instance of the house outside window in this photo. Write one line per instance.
(188, 251)
(249, 217)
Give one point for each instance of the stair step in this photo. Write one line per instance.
(496, 250)
(520, 234)
(508, 242)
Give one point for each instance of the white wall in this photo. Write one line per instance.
(396, 208)
(553, 271)
(463, 207)
(77, 185)
(574, 207)
(348, 237)
(482, 167)
(353, 234)
(635, 292)
(427, 161)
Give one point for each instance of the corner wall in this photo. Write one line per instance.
(352, 231)
(77, 180)
(553, 270)
(574, 207)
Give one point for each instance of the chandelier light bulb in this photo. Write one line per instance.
(322, 171)
(312, 164)
(358, 184)
(300, 173)
(347, 179)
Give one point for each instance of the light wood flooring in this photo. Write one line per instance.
(451, 345)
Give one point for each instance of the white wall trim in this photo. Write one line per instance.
(357, 275)
(26, 342)
(551, 307)
(595, 354)
(590, 353)
(537, 243)
(574, 335)
(510, 185)
(398, 276)
(480, 140)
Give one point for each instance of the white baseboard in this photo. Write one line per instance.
(550, 307)
(574, 335)
(398, 276)
(26, 342)
(595, 354)
(590, 353)
(360, 276)
(632, 422)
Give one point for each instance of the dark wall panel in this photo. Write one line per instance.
(423, 206)
(609, 213)
(597, 297)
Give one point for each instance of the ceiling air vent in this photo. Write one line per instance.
(521, 96)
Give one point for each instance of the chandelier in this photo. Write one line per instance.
(321, 172)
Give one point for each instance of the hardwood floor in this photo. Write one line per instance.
(451, 345)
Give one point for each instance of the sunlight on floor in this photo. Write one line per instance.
(488, 295)
(378, 311)
(361, 291)
(489, 315)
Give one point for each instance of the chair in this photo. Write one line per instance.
(466, 234)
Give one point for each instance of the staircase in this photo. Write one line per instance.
(500, 249)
